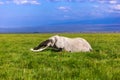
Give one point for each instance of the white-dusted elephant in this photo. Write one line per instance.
(64, 43)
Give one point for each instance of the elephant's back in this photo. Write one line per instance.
(81, 44)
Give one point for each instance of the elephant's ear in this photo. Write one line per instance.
(53, 40)
(56, 38)
(59, 42)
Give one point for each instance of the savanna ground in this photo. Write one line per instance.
(17, 62)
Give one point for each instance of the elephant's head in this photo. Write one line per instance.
(45, 44)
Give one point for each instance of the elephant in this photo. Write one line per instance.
(64, 43)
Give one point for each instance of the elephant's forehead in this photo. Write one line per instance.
(53, 37)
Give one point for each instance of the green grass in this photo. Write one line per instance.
(17, 62)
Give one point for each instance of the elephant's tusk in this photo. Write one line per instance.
(38, 49)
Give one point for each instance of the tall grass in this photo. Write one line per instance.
(17, 62)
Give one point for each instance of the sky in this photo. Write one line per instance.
(59, 15)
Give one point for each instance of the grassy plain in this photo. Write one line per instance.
(17, 62)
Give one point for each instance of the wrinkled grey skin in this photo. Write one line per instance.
(64, 43)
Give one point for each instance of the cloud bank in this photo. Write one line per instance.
(38, 1)
(20, 2)
(26, 2)
(100, 1)
(99, 7)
